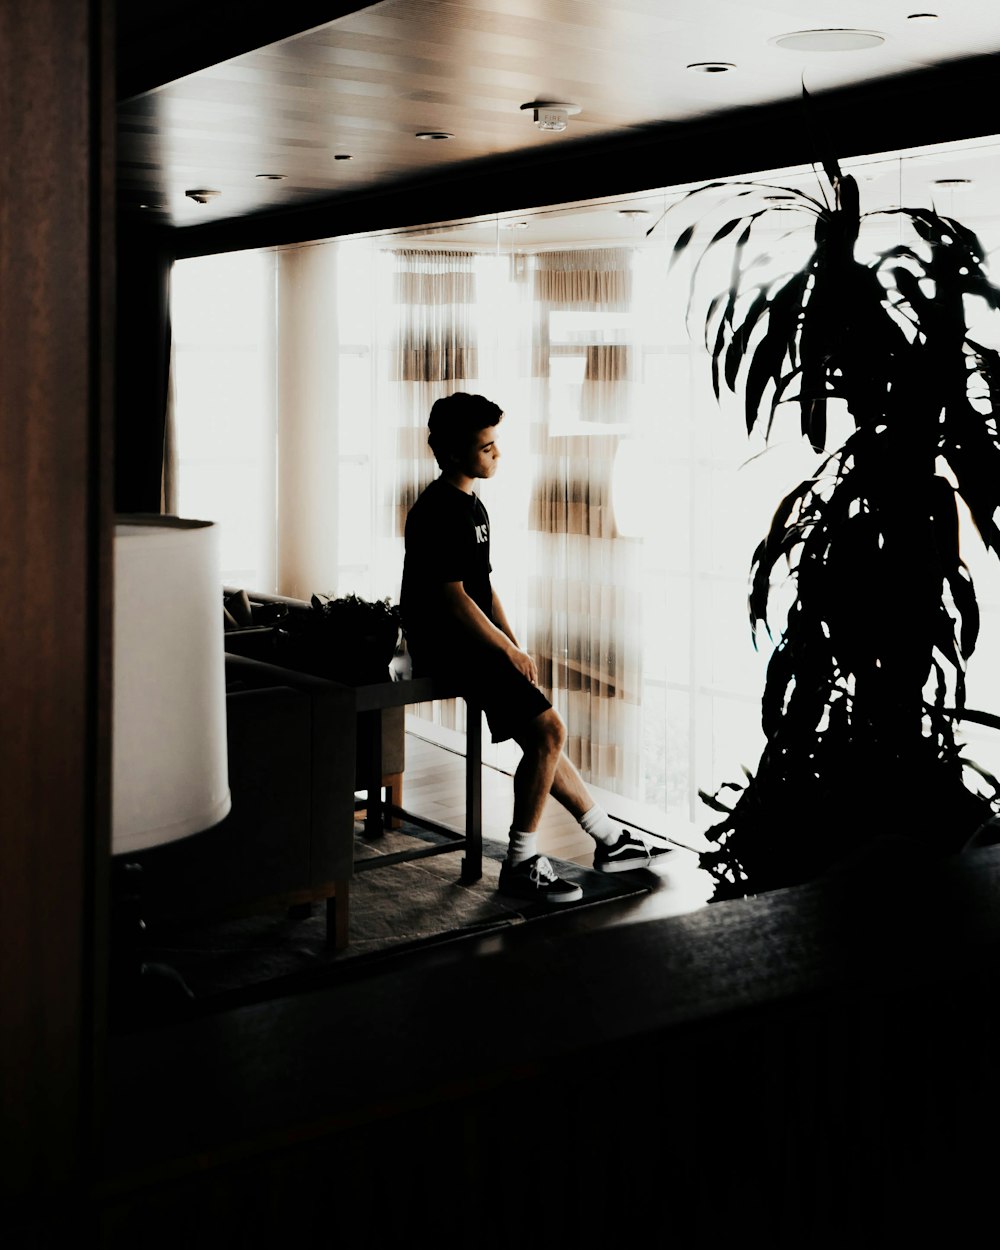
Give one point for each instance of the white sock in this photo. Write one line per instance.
(598, 824)
(521, 846)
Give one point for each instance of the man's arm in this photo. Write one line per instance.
(471, 617)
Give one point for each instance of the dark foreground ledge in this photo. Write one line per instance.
(820, 1062)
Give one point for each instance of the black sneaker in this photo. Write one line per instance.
(535, 878)
(632, 850)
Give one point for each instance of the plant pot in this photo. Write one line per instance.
(339, 651)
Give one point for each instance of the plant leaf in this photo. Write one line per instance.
(831, 166)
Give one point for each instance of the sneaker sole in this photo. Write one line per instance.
(565, 898)
(630, 865)
(569, 896)
(657, 839)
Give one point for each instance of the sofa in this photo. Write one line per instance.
(256, 626)
(289, 838)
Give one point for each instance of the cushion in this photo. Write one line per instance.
(237, 605)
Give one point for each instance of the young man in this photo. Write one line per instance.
(455, 625)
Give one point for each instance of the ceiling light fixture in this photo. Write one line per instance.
(433, 134)
(633, 212)
(711, 67)
(551, 114)
(271, 177)
(342, 156)
(953, 182)
(922, 17)
(202, 194)
(834, 40)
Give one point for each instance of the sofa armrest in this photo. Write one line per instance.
(256, 641)
(280, 601)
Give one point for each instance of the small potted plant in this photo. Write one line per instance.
(346, 638)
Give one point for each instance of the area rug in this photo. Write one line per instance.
(395, 909)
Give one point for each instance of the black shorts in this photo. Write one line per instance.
(486, 676)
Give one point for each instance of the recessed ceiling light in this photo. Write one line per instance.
(271, 177)
(921, 17)
(835, 40)
(633, 212)
(953, 182)
(711, 67)
(342, 156)
(433, 134)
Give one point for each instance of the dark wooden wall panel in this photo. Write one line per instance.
(160, 41)
(55, 135)
(142, 352)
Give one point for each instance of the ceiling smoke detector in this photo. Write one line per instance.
(202, 194)
(551, 114)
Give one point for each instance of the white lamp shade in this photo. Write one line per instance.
(170, 766)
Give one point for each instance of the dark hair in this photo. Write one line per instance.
(455, 421)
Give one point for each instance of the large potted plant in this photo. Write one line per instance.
(866, 683)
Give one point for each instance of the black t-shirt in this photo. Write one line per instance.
(447, 539)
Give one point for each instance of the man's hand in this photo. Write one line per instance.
(524, 664)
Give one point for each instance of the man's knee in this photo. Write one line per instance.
(548, 732)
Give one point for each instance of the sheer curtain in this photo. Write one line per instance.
(429, 349)
(547, 338)
(431, 352)
(329, 356)
(583, 580)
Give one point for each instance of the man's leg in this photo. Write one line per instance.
(568, 788)
(524, 873)
(541, 743)
(545, 769)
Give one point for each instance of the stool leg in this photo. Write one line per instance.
(472, 863)
(338, 915)
(393, 786)
(370, 750)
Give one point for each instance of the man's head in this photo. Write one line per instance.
(455, 425)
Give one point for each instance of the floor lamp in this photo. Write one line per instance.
(169, 760)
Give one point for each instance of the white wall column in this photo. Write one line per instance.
(307, 384)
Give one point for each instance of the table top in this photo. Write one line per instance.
(401, 691)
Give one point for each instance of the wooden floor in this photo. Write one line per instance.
(434, 787)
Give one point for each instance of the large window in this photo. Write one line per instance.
(629, 500)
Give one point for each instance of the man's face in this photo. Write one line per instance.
(481, 458)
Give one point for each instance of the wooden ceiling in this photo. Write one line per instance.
(217, 95)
